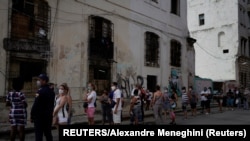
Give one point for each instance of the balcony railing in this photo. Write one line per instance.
(22, 45)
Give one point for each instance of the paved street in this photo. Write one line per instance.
(227, 117)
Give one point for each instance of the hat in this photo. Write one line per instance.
(44, 77)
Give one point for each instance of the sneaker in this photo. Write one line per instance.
(207, 113)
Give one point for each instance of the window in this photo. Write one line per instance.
(243, 46)
(221, 39)
(30, 19)
(175, 53)
(248, 46)
(201, 19)
(175, 7)
(225, 51)
(151, 82)
(152, 50)
(243, 79)
(101, 38)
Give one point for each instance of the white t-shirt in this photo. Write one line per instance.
(204, 98)
(93, 96)
(117, 94)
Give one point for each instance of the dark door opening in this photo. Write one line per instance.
(151, 82)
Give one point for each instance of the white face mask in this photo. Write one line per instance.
(165, 91)
(113, 88)
(61, 91)
(38, 83)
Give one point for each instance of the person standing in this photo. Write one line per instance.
(91, 99)
(173, 105)
(230, 99)
(60, 113)
(204, 102)
(246, 96)
(69, 103)
(106, 110)
(18, 113)
(166, 103)
(135, 107)
(42, 109)
(117, 109)
(157, 103)
(185, 101)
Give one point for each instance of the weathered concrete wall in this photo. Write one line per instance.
(3, 34)
(69, 41)
(222, 31)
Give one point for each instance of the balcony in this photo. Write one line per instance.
(26, 46)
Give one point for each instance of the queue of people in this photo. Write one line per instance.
(53, 105)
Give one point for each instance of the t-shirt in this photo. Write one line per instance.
(184, 98)
(117, 94)
(204, 98)
(93, 96)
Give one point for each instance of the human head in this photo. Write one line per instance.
(205, 88)
(190, 88)
(17, 84)
(63, 88)
(52, 85)
(43, 79)
(91, 86)
(157, 87)
(165, 89)
(114, 86)
(183, 89)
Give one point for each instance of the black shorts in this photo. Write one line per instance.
(193, 105)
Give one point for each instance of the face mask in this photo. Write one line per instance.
(90, 88)
(165, 91)
(61, 91)
(113, 88)
(38, 83)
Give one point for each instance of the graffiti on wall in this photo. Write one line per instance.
(127, 80)
(175, 81)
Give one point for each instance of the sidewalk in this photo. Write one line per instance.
(82, 119)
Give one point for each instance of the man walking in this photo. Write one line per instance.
(42, 109)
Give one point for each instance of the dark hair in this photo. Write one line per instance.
(191, 87)
(92, 85)
(183, 88)
(136, 92)
(158, 87)
(115, 83)
(17, 84)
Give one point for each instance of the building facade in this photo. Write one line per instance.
(100, 41)
(222, 32)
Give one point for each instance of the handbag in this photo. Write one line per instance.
(112, 104)
(85, 104)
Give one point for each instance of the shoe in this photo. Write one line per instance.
(207, 113)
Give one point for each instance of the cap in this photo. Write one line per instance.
(44, 77)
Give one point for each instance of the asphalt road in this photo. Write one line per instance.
(227, 117)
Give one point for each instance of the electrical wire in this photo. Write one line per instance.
(216, 57)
